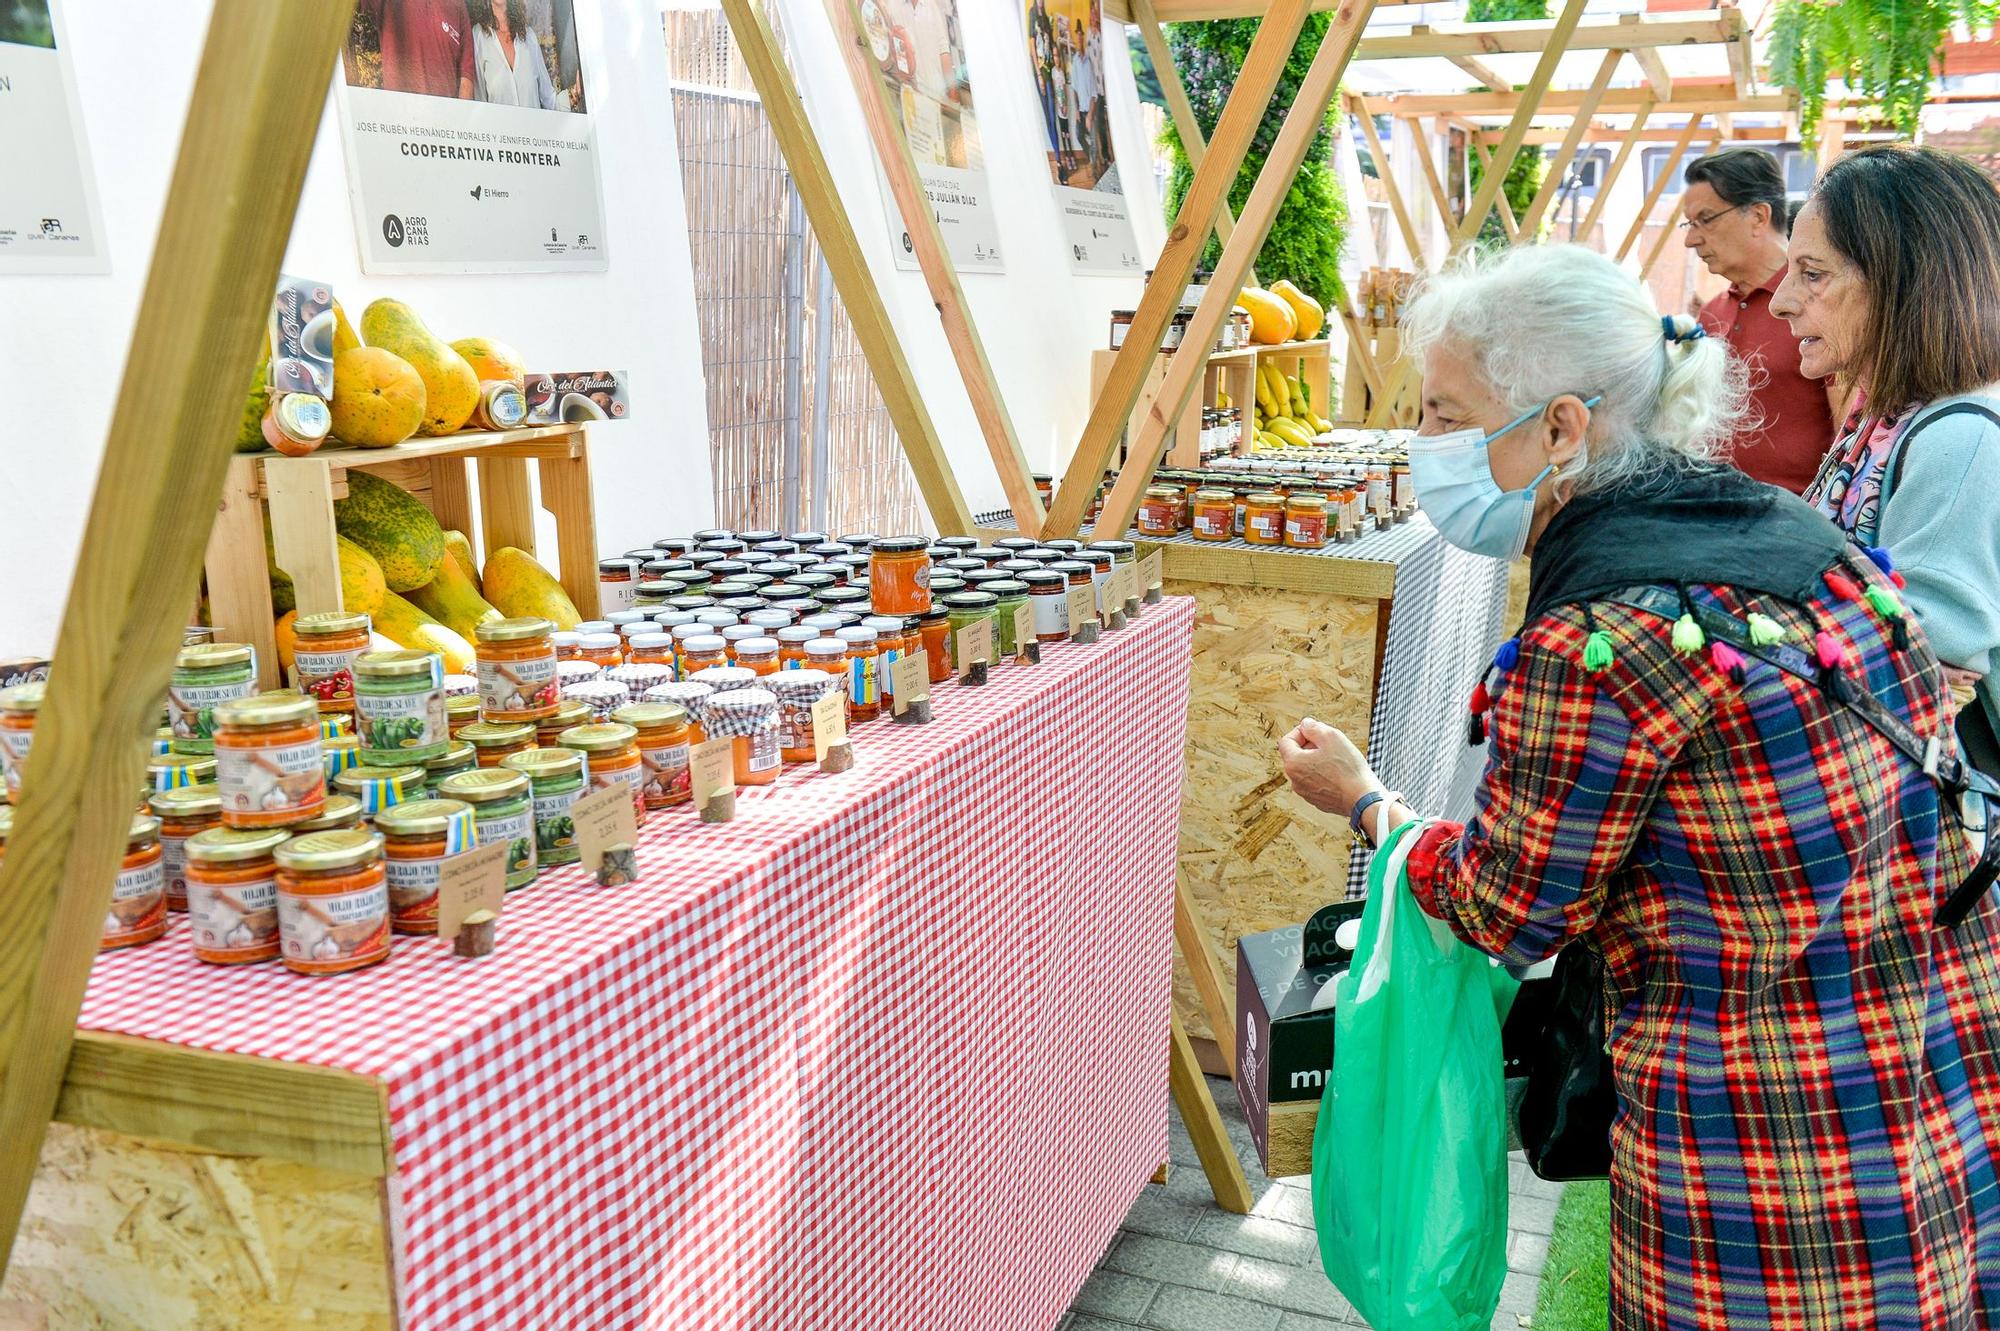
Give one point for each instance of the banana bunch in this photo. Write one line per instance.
(1283, 417)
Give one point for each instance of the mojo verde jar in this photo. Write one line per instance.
(269, 769)
(517, 668)
(458, 757)
(399, 707)
(967, 609)
(500, 807)
(555, 782)
(417, 838)
(333, 902)
(203, 677)
(232, 894)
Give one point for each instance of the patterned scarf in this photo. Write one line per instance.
(1848, 488)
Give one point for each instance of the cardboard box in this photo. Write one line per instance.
(1284, 1047)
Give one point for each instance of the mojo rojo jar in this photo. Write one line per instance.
(232, 894)
(183, 813)
(611, 758)
(269, 770)
(417, 838)
(1264, 518)
(797, 691)
(323, 656)
(663, 751)
(138, 911)
(899, 575)
(1305, 521)
(399, 707)
(204, 676)
(379, 788)
(493, 741)
(748, 718)
(555, 782)
(333, 902)
(459, 757)
(517, 668)
(1214, 515)
(501, 808)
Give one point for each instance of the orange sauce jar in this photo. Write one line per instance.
(569, 712)
(517, 668)
(650, 649)
(269, 770)
(1214, 515)
(603, 650)
(1160, 513)
(417, 838)
(323, 657)
(797, 691)
(138, 911)
(899, 575)
(1264, 518)
(18, 706)
(183, 813)
(461, 712)
(333, 902)
(749, 719)
(934, 633)
(699, 652)
(232, 894)
(663, 751)
(610, 752)
(691, 698)
(792, 641)
(493, 740)
(1305, 521)
(758, 654)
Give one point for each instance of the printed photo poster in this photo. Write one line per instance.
(919, 51)
(49, 218)
(1066, 53)
(470, 147)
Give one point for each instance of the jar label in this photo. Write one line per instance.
(555, 830)
(270, 780)
(413, 886)
(517, 831)
(885, 676)
(519, 686)
(864, 684)
(1051, 615)
(1267, 526)
(173, 856)
(1309, 532)
(401, 720)
(336, 931)
(795, 725)
(191, 707)
(764, 753)
(632, 778)
(138, 901)
(667, 776)
(1209, 522)
(616, 594)
(237, 922)
(14, 746)
(327, 676)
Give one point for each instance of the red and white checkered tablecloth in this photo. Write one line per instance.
(888, 1051)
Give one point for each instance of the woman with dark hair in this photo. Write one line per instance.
(507, 59)
(1893, 285)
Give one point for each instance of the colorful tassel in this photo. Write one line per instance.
(1727, 659)
(1475, 731)
(1885, 603)
(1900, 581)
(1828, 651)
(1482, 701)
(1688, 637)
(1508, 656)
(1880, 556)
(1846, 588)
(1597, 655)
(1764, 631)
(1899, 633)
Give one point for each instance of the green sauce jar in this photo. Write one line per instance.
(555, 781)
(399, 707)
(204, 676)
(1009, 596)
(459, 756)
(966, 609)
(502, 812)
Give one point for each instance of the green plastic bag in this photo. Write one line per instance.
(1409, 1176)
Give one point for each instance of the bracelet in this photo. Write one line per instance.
(1360, 811)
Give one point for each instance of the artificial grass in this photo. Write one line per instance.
(1576, 1283)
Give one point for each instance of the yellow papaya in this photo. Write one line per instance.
(460, 549)
(451, 389)
(1271, 319)
(1308, 314)
(407, 626)
(515, 584)
(453, 600)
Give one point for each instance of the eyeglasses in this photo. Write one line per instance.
(1704, 223)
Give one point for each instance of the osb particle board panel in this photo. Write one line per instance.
(123, 1233)
(1254, 856)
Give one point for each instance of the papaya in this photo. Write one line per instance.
(460, 550)
(1309, 313)
(288, 640)
(361, 585)
(390, 524)
(491, 360)
(1271, 319)
(516, 585)
(378, 398)
(344, 336)
(407, 626)
(454, 600)
(451, 388)
(250, 427)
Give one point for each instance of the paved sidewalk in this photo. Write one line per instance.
(1182, 1264)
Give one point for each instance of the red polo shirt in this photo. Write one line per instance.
(1796, 425)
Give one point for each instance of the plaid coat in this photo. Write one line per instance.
(1810, 1094)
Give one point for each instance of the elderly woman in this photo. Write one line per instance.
(1809, 1094)
(1893, 285)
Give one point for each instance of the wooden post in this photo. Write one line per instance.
(1302, 121)
(1639, 119)
(1531, 224)
(1193, 142)
(1204, 1125)
(1426, 143)
(249, 130)
(1506, 205)
(1832, 142)
(1248, 101)
(892, 146)
(1659, 187)
(1517, 128)
(1387, 176)
(1667, 231)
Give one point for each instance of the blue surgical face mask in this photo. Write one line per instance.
(1453, 474)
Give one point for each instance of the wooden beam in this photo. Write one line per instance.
(1427, 141)
(906, 184)
(1387, 176)
(249, 131)
(1659, 187)
(1204, 1125)
(1249, 99)
(1602, 133)
(1506, 205)
(1742, 71)
(1551, 182)
(1832, 142)
(1535, 36)
(1187, 11)
(1193, 141)
(1702, 99)
(1358, 349)
(846, 261)
(1477, 70)
(1654, 66)
(1556, 42)
(1303, 120)
(1632, 137)
(1673, 216)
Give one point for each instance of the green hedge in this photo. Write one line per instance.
(1524, 178)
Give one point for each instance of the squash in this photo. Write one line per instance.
(361, 584)
(407, 626)
(516, 585)
(460, 550)
(1271, 319)
(1310, 315)
(454, 600)
(389, 523)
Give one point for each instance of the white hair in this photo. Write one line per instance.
(1541, 321)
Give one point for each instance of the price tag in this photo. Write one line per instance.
(830, 721)
(1149, 572)
(1024, 629)
(472, 880)
(975, 643)
(1082, 607)
(911, 678)
(712, 768)
(604, 818)
(1126, 577)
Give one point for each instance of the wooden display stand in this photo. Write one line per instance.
(1310, 362)
(1231, 372)
(299, 493)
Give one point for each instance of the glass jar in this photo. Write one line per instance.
(864, 672)
(769, 621)
(1100, 573)
(204, 676)
(829, 656)
(896, 637)
(639, 676)
(1214, 515)
(663, 751)
(399, 706)
(899, 575)
(492, 741)
(1048, 600)
(569, 673)
(500, 809)
(1045, 488)
(379, 788)
(796, 692)
(617, 583)
(457, 757)
(232, 894)
(555, 782)
(269, 768)
(462, 711)
(845, 600)
(691, 698)
(341, 753)
(517, 667)
(1402, 493)
(174, 771)
(340, 813)
(1009, 597)
(333, 902)
(654, 648)
(323, 656)
(934, 632)
(792, 641)
(417, 838)
(1160, 512)
(759, 654)
(569, 712)
(1264, 518)
(967, 609)
(828, 624)
(568, 644)
(601, 696)
(737, 633)
(182, 813)
(748, 718)
(610, 752)
(1305, 521)
(700, 651)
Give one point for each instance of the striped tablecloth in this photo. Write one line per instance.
(887, 1051)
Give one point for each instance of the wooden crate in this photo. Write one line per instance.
(299, 495)
(1311, 362)
(1231, 372)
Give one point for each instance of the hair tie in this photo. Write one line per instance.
(1673, 335)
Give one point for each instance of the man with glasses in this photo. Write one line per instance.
(1734, 203)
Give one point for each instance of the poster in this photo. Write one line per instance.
(470, 147)
(919, 51)
(1066, 53)
(49, 219)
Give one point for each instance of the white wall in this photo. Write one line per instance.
(63, 339)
